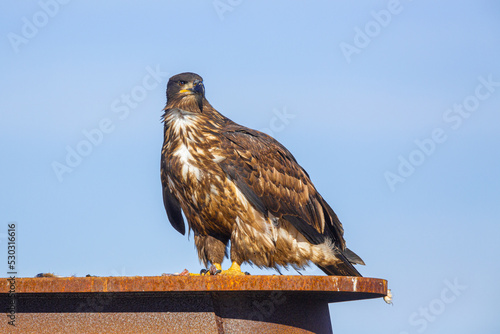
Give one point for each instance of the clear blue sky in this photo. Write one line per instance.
(392, 107)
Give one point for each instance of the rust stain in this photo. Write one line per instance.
(325, 284)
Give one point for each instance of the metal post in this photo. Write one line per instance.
(181, 304)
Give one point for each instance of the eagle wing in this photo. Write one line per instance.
(272, 180)
(172, 206)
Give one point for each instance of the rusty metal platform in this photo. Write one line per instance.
(181, 304)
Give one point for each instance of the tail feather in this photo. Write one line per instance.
(341, 269)
(345, 266)
(353, 257)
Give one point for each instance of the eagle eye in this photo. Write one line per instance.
(181, 82)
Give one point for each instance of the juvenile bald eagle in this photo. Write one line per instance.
(240, 185)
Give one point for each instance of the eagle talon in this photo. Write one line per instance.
(234, 270)
(214, 268)
(247, 273)
(203, 272)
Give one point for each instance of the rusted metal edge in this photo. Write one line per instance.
(374, 287)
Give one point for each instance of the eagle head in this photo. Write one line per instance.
(185, 89)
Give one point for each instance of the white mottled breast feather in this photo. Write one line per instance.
(183, 120)
(180, 119)
(183, 153)
(188, 164)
